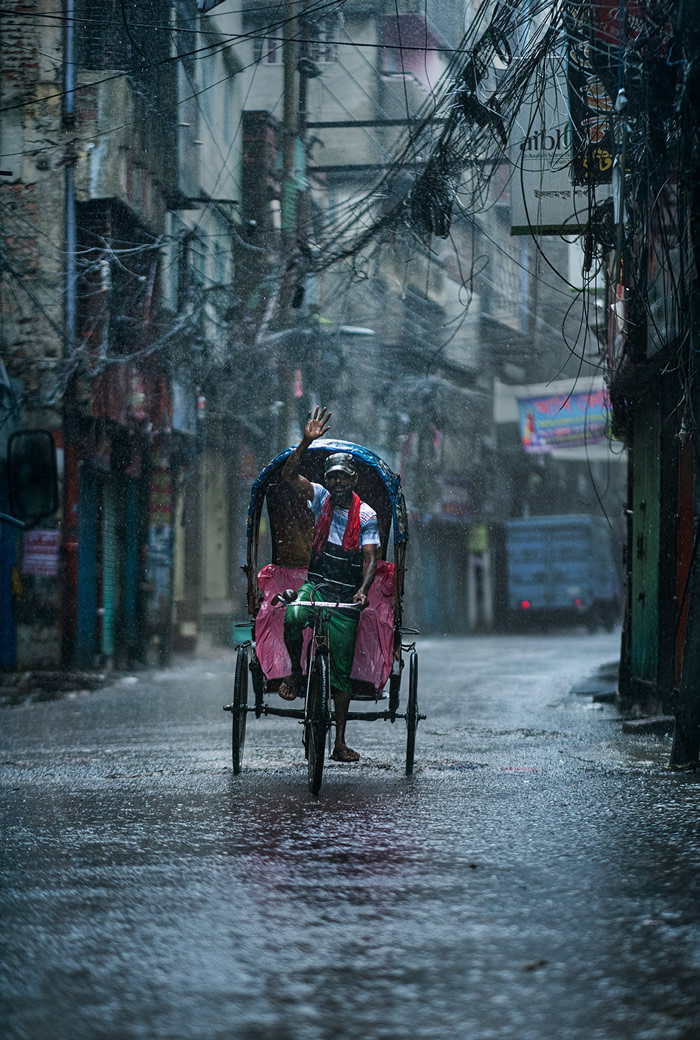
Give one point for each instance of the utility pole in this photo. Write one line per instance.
(307, 69)
(289, 148)
(685, 750)
(290, 274)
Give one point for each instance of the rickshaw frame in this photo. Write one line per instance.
(290, 530)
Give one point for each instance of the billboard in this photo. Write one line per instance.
(592, 105)
(544, 200)
(554, 421)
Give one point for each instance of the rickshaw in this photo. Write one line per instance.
(261, 653)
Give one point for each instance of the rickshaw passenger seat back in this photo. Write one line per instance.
(375, 637)
(292, 524)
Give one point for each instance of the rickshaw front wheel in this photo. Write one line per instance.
(239, 712)
(316, 723)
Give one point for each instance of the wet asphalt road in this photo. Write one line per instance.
(537, 878)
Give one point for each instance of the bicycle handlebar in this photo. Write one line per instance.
(279, 601)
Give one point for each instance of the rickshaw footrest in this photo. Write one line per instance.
(373, 716)
(287, 713)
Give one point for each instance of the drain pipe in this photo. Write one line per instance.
(69, 592)
(68, 127)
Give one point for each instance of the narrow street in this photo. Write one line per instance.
(535, 879)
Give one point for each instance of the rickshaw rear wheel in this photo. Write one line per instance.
(239, 712)
(316, 724)
(412, 712)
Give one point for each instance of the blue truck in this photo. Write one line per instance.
(561, 570)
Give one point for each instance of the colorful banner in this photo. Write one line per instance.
(561, 421)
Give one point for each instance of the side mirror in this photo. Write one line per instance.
(32, 474)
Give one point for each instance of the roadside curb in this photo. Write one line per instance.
(659, 724)
(32, 687)
(601, 687)
(18, 687)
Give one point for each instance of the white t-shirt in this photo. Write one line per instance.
(369, 532)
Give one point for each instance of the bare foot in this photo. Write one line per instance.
(345, 754)
(289, 688)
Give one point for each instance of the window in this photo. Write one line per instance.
(113, 34)
(192, 269)
(319, 40)
(268, 51)
(318, 36)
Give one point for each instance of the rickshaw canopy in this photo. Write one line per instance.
(291, 524)
(317, 452)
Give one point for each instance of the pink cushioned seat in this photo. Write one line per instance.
(375, 636)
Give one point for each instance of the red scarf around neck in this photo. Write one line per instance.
(351, 538)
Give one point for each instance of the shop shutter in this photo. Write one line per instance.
(8, 620)
(87, 568)
(109, 566)
(132, 530)
(644, 547)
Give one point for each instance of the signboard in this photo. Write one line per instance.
(615, 24)
(11, 392)
(592, 106)
(160, 551)
(160, 546)
(544, 201)
(41, 553)
(248, 463)
(478, 538)
(456, 499)
(184, 409)
(160, 503)
(665, 269)
(601, 35)
(557, 421)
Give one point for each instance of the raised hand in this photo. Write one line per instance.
(317, 424)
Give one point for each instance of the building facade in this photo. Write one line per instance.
(180, 176)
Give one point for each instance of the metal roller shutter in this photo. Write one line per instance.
(87, 568)
(132, 528)
(110, 566)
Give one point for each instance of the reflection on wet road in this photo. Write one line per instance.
(536, 878)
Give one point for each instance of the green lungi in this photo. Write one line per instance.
(342, 635)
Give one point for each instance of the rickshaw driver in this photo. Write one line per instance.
(343, 562)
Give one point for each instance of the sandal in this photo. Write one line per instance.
(289, 688)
